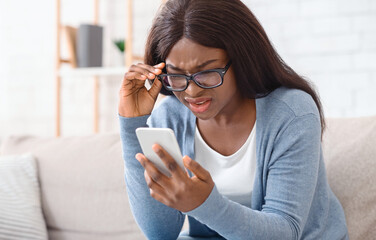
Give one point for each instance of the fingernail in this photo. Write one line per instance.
(143, 76)
(187, 159)
(151, 75)
(138, 156)
(155, 148)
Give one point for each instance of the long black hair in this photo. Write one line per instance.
(228, 25)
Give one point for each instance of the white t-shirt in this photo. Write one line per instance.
(233, 175)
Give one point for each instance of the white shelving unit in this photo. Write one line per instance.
(94, 72)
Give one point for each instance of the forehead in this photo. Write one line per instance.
(187, 54)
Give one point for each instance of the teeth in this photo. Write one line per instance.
(199, 103)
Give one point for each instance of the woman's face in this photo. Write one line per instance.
(188, 57)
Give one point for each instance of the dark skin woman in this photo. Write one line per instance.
(248, 125)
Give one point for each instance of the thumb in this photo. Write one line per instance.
(155, 88)
(196, 169)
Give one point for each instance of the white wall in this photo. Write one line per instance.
(331, 42)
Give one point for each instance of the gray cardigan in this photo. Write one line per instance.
(291, 198)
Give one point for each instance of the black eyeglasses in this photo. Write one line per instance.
(211, 78)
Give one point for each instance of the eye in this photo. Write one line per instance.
(209, 78)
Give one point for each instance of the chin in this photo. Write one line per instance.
(203, 116)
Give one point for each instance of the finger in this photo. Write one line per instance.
(132, 80)
(154, 186)
(159, 198)
(153, 172)
(129, 76)
(149, 71)
(196, 169)
(154, 69)
(157, 85)
(169, 162)
(155, 190)
(155, 89)
(160, 65)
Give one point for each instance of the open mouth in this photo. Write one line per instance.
(199, 105)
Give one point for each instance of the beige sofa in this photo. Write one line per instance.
(84, 195)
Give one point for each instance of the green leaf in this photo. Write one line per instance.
(120, 44)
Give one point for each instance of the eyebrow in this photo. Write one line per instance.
(197, 67)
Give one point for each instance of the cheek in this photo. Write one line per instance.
(223, 94)
(230, 80)
(229, 86)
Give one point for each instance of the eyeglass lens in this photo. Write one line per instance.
(205, 79)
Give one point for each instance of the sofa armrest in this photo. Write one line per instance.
(349, 147)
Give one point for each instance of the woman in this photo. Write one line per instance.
(249, 127)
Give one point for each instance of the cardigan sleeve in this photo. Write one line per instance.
(156, 220)
(291, 182)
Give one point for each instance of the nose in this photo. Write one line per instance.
(193, 89)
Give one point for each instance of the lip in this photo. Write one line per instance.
(198, 105)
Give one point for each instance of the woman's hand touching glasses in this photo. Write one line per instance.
(134, 99)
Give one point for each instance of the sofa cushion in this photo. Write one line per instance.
(83, 190)
(20, 205)
(349, 147)
(82, 185)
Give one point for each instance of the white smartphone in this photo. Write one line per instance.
(165, 137)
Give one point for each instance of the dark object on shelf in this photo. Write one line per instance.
(89, 45)
(120, 44)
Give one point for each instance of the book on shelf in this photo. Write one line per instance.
(71, 35)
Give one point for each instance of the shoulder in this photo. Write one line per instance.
(286, 107)
(169, 112)
(168, 103)
(287, 101)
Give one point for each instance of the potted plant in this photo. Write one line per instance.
(120, 45)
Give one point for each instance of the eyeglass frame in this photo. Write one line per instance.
(220, 71)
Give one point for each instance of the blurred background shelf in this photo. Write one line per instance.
(92, 71)
(95, 72)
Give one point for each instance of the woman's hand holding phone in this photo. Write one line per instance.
(180, 191)
(134, 99)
